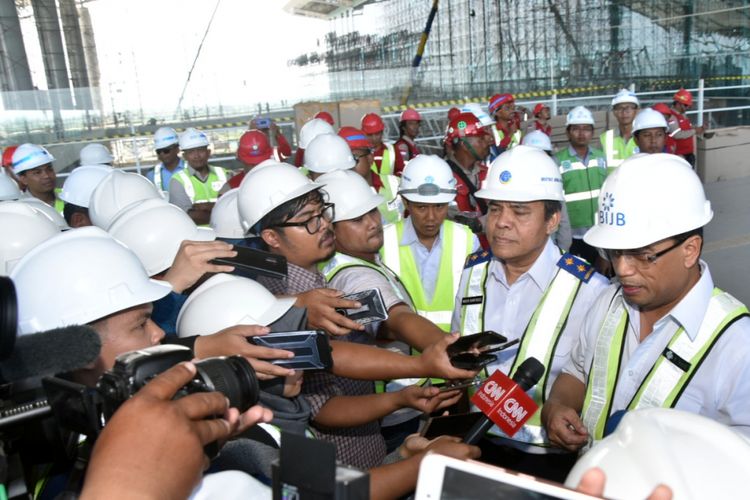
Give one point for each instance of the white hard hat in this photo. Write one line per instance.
(646, 199)
(193, 138)
(115, 192)
(8, 187)
(522, 174)
(476, 109)
(695, 456)
(312, 129)
(154, 230)
(649, 118)
(428, 179)
(95, 154)
(225, 300)
(93, 275)
(328, 152)
(537, 139)
(625, 95)
(579, 116)
(81, 183)
(264, 189)
(21, 228)
(47, 210)
(165, 137)
(28, 156)
(350, 194)
(225, 216)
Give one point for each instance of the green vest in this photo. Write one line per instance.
(616, 150)
(199, 191)
(581, 184)
(59, 204)
(666, 381)
(457, 242)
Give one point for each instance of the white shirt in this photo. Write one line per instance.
(720, 388)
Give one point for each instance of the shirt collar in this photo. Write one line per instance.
(191, 171)
(541, 271)
(691, 310)
(575, 155)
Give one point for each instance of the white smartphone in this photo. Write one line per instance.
(446, 478)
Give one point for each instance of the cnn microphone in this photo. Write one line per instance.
(527, 375)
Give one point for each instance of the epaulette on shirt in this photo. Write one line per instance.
(478, 257)
(576, 266)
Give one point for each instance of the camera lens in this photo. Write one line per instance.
(234, 377)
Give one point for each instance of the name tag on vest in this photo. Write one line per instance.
(676, 360)
(467, 301)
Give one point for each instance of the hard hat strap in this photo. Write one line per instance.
(471, 149)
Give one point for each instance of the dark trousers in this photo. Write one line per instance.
(553, 467)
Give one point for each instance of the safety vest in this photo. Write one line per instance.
(199, 191)
(543, 331)
(616, 150)
(456, 246)
(59, 203)
(499, 136)
(672, 372)
(581, 184)
(392, 209)
(157, 174)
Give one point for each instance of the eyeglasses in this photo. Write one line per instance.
(621, 108)
(359, 157)
(164, 151)
(312, 225)
(640, 257)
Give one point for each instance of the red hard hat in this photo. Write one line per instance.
(372, 124)
(453, 112)
(411, 114)
(684, 96)
(325, 116)
(498, 100)
(464, 125)
(539, 107)
(8, 156)
(662, 108)
(254, 148)
(355, 138)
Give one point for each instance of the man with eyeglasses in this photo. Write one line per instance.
(618, 143)
(167, 151)
(662, 335)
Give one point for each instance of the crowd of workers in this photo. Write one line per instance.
(589, 254)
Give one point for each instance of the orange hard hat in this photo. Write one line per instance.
(355, 138)
(684, 96)
(254, 148)
(464, 125)
(538, 108)
(411, 114)
(8, 156)
(325, 116)
(498, 100)
(453, 112)
(372, 123)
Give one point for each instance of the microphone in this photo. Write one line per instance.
(51, 352)
(506, 400)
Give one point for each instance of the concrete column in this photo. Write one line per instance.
(14, 65)
(53, 52)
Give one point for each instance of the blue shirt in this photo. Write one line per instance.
(166, 175)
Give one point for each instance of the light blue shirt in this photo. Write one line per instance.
(166, 175)
(719, 389)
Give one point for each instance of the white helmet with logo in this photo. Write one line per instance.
(649, 118)
(225, 216)
(625, 96)
(350, 194)
(28, 156)
(154, 230)
(537, 139)
(95, 154)
(579, 116)
(264, 189)
(81, 183)
(646, 199)
(115, 192)
(21, 228)
(8, 187)
(328, 152)
(94, 276)
(523, 174)
(476, 109)
(47, 210)
(241, 301)
(312, 129)
(193, 138)
(428, 179)
(165, 137)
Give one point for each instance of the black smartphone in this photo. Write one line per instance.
(373, 307)
(311, 349)
(253, 262)
(450, 425)
(460, 384)
(476, 343)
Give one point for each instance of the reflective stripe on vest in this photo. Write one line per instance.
(497, 135)
(581, 184)
(209, 189)
(392, 209)
(666, 381)
(59, 204)
(158, 177)
(616, 150)
(456, 246)
(584, 195)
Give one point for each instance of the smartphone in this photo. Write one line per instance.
(446, 478)
(373, 307)
(476, 343)
(252, 262)
(460, 384)
(311, 348)
(450, 425)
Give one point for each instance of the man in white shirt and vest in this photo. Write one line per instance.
(168, 151)
(662, 335)
(427, 251)
(618, 143)
(196, 189)
(526, 289)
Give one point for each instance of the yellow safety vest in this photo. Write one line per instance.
(672, 372)
(616, 150)
(59, 204)
(199, 191)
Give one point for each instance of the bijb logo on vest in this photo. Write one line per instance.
(504, 402)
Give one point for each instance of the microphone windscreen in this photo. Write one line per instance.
(51, 352)
(528, 373)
